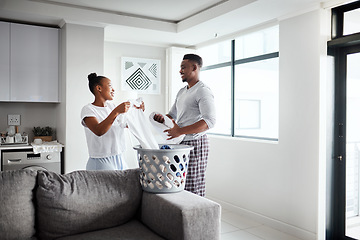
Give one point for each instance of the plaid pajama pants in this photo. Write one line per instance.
(195, 178)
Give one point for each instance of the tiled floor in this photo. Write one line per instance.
(237, 227)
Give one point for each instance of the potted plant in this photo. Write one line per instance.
(44, 133)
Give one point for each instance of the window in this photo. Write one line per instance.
(221, 88)
(244, 77)
(257, 82)
(351, 22)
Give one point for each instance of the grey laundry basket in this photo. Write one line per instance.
(163, 170)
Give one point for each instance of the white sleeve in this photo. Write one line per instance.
(86, 111)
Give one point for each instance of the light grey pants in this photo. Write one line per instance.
(107, 163)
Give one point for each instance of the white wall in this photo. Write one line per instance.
(82, 53)
(278, 182)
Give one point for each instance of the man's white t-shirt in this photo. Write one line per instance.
(113, 141)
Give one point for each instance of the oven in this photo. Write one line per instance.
(27, 159)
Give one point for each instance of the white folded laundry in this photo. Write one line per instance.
(161, 127)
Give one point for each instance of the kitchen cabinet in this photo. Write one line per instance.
(34, 63)
(29, 63)
(4, 61)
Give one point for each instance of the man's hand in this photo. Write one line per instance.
(159, 118)
(173, 132)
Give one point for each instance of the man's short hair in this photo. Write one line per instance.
(193, 57)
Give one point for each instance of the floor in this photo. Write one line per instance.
(353, 232)
(353, 227)
(237, 227)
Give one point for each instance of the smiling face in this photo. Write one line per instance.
(105, 89)
(188, 70)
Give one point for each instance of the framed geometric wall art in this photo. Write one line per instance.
(141, 75)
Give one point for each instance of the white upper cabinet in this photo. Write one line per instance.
(4, 61)
(34, 63)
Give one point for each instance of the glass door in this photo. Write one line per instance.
(344, 218)
(352, 169)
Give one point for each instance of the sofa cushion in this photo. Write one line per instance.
(84, 201)
(133, 230)
(17, 208)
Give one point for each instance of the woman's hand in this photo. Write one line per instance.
(142, 106)
(123, 107)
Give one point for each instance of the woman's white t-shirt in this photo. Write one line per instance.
(113, 141)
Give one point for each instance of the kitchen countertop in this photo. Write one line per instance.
(14, 146)
(45, 146)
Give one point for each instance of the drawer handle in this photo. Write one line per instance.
(14, 160)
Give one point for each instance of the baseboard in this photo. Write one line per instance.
(273, 223)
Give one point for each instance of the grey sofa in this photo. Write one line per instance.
(99, 205)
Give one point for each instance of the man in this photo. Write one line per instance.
(193, 113)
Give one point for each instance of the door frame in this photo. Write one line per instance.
(337, 202)
(339, 47)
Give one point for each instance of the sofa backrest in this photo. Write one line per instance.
(85, 201)
(17, 212)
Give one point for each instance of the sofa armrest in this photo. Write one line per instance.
(181, 215)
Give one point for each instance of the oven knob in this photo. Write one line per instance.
(48, 157)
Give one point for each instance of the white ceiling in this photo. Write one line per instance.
(160, 22)
(166, 10)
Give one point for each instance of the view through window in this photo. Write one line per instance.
(243, 74)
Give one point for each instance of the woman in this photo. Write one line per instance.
(104, 126)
